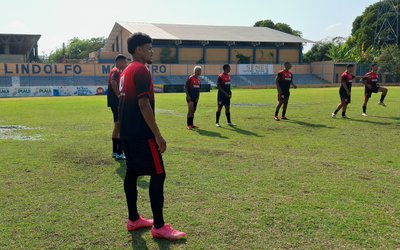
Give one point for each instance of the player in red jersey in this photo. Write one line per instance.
(112, 102)
(370, 81)
(283, 81)
(224, 95)
(142, 140)
(192, 89)
(346, 82)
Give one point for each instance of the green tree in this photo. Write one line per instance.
(165, 56)
(277, 26)
(318, 52)
(389, 61)
(77, 49)
(364, 26)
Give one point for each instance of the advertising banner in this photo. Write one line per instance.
(255, 69)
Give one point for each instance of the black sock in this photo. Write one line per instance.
(190, 121)
(217, 115)
(283, 112)
(119, 147)
(276, 112)
(343, 113)
(364, 109)
(336, 111)
(156, 192)
(228, 117)
(383, 97)
(115, 144)
(131, 194)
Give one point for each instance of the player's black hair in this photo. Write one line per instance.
(225, 66)
(350, 65)
(120, 57)
(286, 63)
(136, 40)
(373, 65)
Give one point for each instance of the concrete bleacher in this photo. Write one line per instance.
(241, 80)
(237, 80)
(31, 81)
(5, 81)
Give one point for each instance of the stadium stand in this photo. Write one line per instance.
(239, 80)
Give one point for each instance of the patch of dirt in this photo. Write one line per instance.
(11, 132)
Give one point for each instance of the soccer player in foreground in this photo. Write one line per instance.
(370, 81)
(283, 81)
(224, 95)
(112, 102)
(192, 89)
(142, 141)
(346, 81)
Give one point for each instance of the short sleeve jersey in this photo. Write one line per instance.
(135, 83)
(112, 98)
(224, 80)
(193, 85)
(285, 78)
(348, 78)
(374, 78)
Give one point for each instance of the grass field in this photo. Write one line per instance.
(312, 182)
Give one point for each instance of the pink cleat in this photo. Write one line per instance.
(139, 223)
(167, 232)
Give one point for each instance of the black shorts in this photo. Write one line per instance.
(114, 110)
(193, 98)
(368, 91)
(142, 157)
(283, 96)
(344, 96)
(223, 100)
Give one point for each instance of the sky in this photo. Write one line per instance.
(58, 20)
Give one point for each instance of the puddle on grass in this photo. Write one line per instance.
(12, 132)
(169, 112)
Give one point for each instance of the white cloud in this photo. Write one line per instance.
(334, 26)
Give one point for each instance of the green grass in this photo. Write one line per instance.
(312, 182)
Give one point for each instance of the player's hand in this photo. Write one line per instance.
(162, 144)
(295, 86)
(227, 95)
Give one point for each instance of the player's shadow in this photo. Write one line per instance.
(209, 133)
(138, 242)
(384, 117)
(166, 244)
(242, 131)
(308, 124)
(121, 170)
(368, 121)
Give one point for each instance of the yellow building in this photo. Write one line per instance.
(204, 44)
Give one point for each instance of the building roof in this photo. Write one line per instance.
(18, 43)
(183, 32)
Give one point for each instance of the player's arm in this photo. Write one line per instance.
(147, 112)
(292, 83)
(277, 78)
(366, 81)
(344, 85)
(187, 89)
(143, 81)
(114, 83)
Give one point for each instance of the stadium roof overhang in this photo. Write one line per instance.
(17, 44)
(205, 34)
